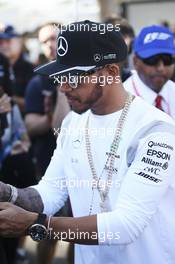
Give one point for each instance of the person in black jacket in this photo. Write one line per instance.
(11, 45)
(5, 107)
(16, 165)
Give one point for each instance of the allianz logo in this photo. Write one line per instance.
(149, 161)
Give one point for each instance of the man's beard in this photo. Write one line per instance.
(89, 102)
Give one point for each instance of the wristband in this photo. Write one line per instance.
(49, 229)
(13, 194)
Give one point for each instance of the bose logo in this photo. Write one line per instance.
(147, 176)
(150, 37)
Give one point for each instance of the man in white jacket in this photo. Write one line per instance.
(114, 158)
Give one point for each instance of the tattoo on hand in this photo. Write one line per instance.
(28, 198)
(4, 192)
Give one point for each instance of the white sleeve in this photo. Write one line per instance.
(52, 187)
(141, 192)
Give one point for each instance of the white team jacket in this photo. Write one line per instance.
(140, 225)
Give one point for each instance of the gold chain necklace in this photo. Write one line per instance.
(110, 159)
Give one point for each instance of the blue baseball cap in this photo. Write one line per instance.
(9, 32)
(154, 40)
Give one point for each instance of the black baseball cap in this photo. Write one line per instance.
(83, 46)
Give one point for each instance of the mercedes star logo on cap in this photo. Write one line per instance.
(62, 46)
(97, 57)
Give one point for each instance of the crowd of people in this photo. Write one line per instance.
(32, 108)
(30, 104)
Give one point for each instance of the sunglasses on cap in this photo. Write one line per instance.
(75, 80)
(154, 60)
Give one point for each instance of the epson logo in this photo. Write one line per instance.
(147, 176)
(158, 144)
(158, 154)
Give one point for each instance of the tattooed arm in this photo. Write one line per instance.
(28, 198)
(51, 192)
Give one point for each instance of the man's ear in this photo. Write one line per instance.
(112, 72)
(113, 69)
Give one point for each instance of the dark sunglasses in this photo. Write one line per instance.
(154, 60)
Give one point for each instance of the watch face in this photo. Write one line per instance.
(38, 232)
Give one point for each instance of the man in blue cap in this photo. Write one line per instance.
(154, 64)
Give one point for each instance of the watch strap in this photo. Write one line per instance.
(41, 219)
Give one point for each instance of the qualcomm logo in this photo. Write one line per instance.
(62, 46)
(150, 37)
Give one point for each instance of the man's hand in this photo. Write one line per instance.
(14, 220)
(48, 104)
(5, 104)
